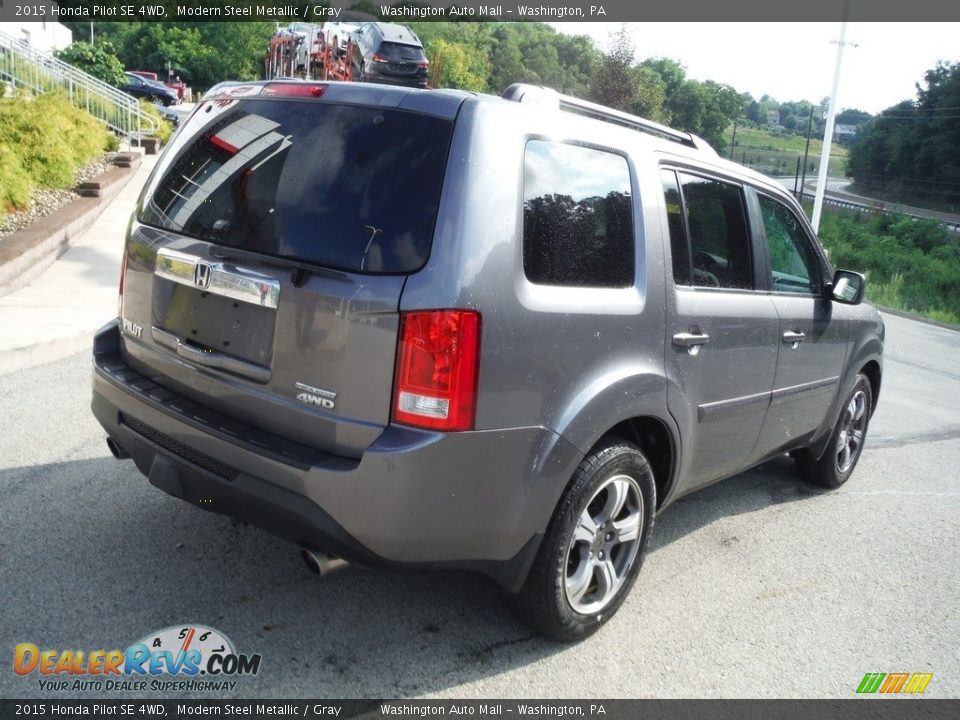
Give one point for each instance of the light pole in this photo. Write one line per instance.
(828, 130)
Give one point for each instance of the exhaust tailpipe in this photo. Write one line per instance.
(118, 452)
(320, 563)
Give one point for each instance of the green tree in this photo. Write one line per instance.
(99, 60)
(910, 150)
(616, 82)
(461, 66)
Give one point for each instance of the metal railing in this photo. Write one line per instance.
(23, 67)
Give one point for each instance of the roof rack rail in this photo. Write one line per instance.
(523, 92)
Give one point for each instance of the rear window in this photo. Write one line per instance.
(400, 52)
(347, 187)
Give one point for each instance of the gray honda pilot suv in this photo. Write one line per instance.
(448, 330)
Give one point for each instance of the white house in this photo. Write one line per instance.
(44, 35)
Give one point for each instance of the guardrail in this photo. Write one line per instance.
(846, 204)
(25, 67)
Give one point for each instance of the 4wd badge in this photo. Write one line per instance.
(316, 396)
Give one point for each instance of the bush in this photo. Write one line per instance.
(166, 129)
(99, 60)
(15, 184)
(52, 138)
(43, 142)
(912, 265)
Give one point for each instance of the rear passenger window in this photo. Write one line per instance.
(679, 247)
(717, 228)
(577, 216)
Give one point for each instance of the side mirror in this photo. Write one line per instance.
(847, 287)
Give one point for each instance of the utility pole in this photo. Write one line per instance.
(828, 130)
(733, 142)
(91, 33)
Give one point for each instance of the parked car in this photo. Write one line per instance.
(169, 114)
(177, 85)
(390, 54)
(340, 33)
(151, 90)
(499, 334)
(145, 74)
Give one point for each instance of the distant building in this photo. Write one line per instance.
(846, 130)
(773, 117)
(44, 36)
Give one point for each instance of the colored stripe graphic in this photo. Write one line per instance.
(918, 682)
(870, 682)
(894, 683)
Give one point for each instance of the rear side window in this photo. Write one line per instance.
(577, 216)
(717, 228)
(353, 188)
(679, 247)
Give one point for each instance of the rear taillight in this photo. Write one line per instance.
(123, 274)
(377, 57)
(424, 64)
(437, 362)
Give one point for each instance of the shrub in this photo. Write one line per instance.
(99, 60)
(912, 265)
(43, 142)
(51, 137)
(166, 129)
(15, 184)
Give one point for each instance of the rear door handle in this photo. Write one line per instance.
(211, 358)
(690, 339)
(793, 338)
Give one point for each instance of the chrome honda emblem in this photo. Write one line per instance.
(201, 275)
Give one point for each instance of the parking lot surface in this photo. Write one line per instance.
(759, 586)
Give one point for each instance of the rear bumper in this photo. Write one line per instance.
(474, 500)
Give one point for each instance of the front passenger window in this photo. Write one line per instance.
(793, 263)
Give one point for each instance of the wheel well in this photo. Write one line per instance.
(872, 371)
(654, 439)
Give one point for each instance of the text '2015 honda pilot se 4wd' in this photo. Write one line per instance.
(440, 329)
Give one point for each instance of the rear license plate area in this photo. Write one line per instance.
(215, 322)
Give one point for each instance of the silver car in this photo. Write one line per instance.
(448, 330)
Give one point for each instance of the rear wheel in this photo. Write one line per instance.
(846, 443)
(594, 544)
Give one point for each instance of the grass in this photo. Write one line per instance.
(776, 153)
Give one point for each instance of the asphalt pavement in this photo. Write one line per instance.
(759, 586)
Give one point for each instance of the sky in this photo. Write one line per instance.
(795, 61)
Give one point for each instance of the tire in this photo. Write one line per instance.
(838, 461)
(583, 572)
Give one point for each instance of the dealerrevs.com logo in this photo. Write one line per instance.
(180, 658)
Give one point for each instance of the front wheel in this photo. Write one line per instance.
(846, 442)
(594, 545)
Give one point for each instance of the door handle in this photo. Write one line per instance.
(793, 338)
(690, 339)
